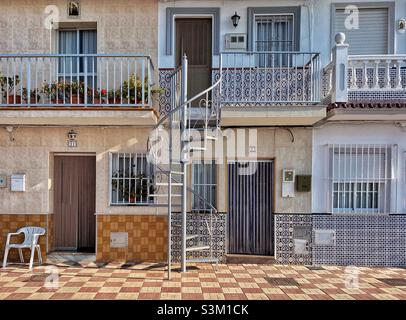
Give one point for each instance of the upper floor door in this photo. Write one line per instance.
(194, 38)
(77, 42)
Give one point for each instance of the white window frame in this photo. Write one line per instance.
(211, 184)
(361, 162)
(132, 181)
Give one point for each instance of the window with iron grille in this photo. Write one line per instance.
(362, 178)
(274, 33)
(131, 179)
(204, 183)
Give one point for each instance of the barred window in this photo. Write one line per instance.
(362, 178)
(274, 33)
(204, 183)
(131, 179)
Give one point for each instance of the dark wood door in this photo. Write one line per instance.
(250, 225)
(75, 203)
(194, 38)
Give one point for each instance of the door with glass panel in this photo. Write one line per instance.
(274, 33)
(76, 69)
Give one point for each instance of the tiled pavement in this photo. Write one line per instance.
(244, 281)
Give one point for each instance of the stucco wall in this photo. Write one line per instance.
(276, 144)
(32, 152)
(123, 26)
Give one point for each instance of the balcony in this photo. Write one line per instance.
(271, 88)
(60, 87)
(354, 83)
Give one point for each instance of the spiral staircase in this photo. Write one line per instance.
(171, 145)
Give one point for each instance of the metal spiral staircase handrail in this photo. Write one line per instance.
(185, 125)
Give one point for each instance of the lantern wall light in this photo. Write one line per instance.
(236, 19)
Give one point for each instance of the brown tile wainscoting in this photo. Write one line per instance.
(147, 238)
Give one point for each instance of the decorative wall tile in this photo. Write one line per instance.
(362, 240)
(197, 223)
(284, 235)
(147, 238)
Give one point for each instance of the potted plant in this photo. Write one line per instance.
(33, 98)
(77, 92)
(132, 90)
(60, 92)
(9, 88)
(143, 188)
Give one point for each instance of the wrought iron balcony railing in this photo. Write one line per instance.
(76, 80)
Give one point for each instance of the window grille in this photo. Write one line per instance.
(131, 179)
(204, 183)
(362, 178)
(274, 33)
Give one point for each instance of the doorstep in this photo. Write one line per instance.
(249, 259)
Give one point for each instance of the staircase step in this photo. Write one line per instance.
(203, 260)
(164, 205)
(193, 149)
(211, 138)
(192, 236)
(166, 184)
(197, 248)
(172, 172)
(164, 195)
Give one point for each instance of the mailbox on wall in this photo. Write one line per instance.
(18, 182)
(303, 183)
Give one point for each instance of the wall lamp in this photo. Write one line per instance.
(236, 19)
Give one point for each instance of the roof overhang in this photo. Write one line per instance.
(78, 117)
(272, 115)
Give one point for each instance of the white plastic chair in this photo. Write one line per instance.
(31, 237)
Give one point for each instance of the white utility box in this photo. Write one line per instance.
(18, 182)
(288, 183)
(118, 239)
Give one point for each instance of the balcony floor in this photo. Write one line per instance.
(91, 116)
(288, 115)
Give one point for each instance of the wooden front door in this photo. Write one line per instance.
(194, 38)
(250, 225)
(75, 203)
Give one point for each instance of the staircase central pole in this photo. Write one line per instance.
(184, 158)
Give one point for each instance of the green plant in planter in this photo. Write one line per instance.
(8, 84)
(136, 192)
(132, 90)
(33, 97)
(143, 187)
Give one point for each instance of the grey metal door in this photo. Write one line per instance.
(250, 225)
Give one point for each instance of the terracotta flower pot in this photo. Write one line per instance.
(14, 100)
(77, 100)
